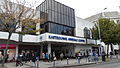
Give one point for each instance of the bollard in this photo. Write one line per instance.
(54, 62)
(67, 61)
(78, 60)
(37, 62)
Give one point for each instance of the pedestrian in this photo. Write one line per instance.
(103, 56)
(34, 60)
(6, 59)
(90, 57)
(47, 57)
(1, 58)
(43, 56)
(50, 57)
(28, 56)
(96, 57)
(93, 55)
(111, 55)
(19, 60)
(61, 56)
(79, 57)
(117, 55)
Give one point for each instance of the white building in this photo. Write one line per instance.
(64, 33)
(114, 16)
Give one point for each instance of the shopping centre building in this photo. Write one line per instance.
(63, 33)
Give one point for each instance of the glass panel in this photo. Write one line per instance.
(70, 12)
(67, 20)
(49, 15)
(46, 4)
(70, 21)
(62, 9)
(73, 13)
(49, 4)
(61, 18)
(56, 6)
(58, 18)
(59, 7)
(64, 21)
(67, 9)
(53, 16)
(53, 5)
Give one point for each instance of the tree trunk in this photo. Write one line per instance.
(6, 49)
(107, 50)
(112, 49)
(119, 49)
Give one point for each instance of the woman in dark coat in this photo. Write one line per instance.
(34, 59)
(103, 56)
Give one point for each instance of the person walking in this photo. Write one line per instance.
(34, 60)
(90, 57)
(103, 56)
(111, 55)
(96, 57)
(50, 57)
(79, 57)
(1, 58)
(6, 59)
(43, 56)
(19, 60)
(47, 57)
(61, 56)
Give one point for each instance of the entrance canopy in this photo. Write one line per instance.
(49, 37)
(61, 38)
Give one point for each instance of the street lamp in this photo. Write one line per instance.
(101, 49)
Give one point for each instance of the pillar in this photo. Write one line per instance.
(49, 48)
(16, 52)
(41, 51)
(100, 50)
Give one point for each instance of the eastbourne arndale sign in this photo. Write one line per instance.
(62, 38)
(65, 38)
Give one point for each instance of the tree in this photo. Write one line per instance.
(95, 33)
(14, 16)
(107, 34)
(117, 35)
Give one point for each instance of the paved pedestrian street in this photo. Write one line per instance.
(101, 65)
(70, 63)
(46, 64)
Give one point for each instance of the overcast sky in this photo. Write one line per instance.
(86, 8)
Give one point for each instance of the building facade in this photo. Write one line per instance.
(62, 33)
(113, 16)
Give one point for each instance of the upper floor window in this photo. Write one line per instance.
(86, 32)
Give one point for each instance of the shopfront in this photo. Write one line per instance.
(29, 49)
(11, 51)
(55, 43)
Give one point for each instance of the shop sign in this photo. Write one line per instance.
(65, 38)
(10, 46)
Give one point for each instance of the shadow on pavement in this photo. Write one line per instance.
(30, 66)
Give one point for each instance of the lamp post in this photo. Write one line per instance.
(99, 32)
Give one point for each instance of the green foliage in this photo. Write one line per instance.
(95, 33)
(109, 31)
